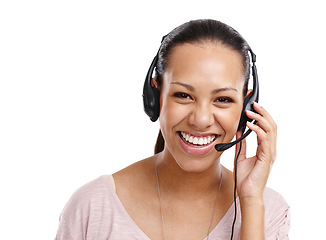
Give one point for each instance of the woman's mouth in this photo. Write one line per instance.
(197, 141)
(197, 144)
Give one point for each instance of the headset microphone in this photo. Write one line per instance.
(224, 146)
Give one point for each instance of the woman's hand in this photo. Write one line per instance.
(253, 172)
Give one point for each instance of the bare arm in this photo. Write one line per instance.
(253, 213)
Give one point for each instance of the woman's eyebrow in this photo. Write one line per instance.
(224, 89)
(191, 88)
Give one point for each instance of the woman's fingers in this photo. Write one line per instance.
(264, 145)
(263, 118)
(266, 124)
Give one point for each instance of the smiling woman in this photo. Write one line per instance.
(183, 191)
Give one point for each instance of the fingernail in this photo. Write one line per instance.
(249, 112)
(250, 124)
(257, 104)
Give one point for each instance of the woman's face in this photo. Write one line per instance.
(201, 103)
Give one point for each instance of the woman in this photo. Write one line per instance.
(183, 191)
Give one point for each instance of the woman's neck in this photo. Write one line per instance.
(174, 180)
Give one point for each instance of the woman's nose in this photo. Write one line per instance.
(201, 117)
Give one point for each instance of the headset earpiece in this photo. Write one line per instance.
(151, 95)
(244, 118)
(253, 97)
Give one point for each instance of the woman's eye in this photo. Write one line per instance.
(182, 95)
(224, 100)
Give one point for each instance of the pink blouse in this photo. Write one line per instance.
(94, 212)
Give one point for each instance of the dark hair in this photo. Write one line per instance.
(200, 31)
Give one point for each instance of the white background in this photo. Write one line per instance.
(71, 110)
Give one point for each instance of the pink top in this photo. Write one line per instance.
(94, 212)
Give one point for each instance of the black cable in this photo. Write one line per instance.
(235, 189)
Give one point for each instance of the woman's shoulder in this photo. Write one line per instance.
(95, 194)
(96, 188)
(87, 205)
(135, 175)
(277, 215)
(274, 200)
(102, 186)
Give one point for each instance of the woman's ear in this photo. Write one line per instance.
(249, 93)
(154, 83)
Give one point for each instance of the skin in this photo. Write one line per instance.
(202, 93)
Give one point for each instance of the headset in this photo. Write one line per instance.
(151, 100)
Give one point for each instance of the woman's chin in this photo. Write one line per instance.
(195, 165)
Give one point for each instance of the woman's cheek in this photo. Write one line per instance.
(173, 112)
(229, 121)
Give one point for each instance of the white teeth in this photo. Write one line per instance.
(187, 137)
(205, 141)
(197, 140)
(191, 139)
